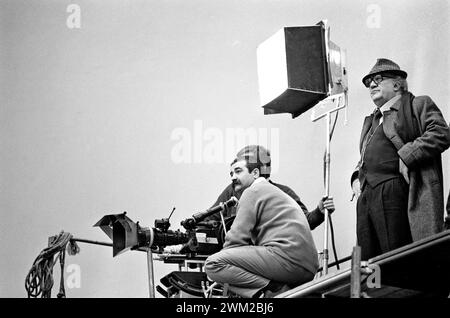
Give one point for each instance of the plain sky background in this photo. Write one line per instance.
(88, 115)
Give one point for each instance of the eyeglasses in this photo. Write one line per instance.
(377, 79)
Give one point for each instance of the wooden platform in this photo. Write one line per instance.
(420, 269)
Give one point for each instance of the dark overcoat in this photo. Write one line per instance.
(417, 129)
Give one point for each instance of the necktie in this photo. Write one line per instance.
(376, 120)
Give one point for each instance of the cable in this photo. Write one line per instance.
(39, 281)
(333, 244)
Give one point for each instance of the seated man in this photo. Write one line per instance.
(269, 244)
(315, 217)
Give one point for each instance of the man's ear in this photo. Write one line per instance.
(396, 86)
(256, 173)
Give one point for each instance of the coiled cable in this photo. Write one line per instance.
(39, 280)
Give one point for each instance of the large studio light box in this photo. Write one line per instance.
(297, 68)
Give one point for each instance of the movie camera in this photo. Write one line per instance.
(199, 238)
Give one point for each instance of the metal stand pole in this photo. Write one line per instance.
(327, 193)
(151, 282)
(91, 242)
(336, 100)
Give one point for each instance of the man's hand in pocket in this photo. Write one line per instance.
(404, 170)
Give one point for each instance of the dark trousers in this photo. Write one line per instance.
(382, 218)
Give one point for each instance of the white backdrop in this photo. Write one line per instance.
(124, 109)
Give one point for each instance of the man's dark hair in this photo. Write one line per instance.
(256, 157)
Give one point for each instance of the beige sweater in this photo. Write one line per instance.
(266, 216)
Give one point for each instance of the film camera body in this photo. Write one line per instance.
(200, 240)
(199, 237)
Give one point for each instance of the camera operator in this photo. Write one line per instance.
(270, 244)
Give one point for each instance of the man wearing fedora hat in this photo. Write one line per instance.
(398, 180)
